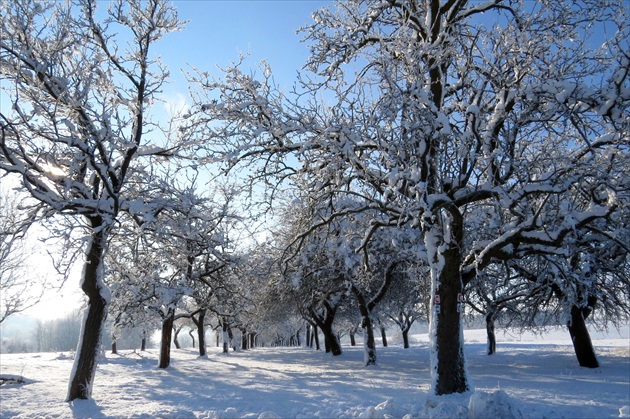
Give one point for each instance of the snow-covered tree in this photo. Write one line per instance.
(77, 122)
(430, 108)
(499, 292)
(19, 292)
(169, 262)
(409, 299)
(592, 275)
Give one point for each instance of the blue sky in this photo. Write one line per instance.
(219, 30)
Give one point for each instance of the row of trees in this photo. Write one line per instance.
(430, 157)
(501, 140)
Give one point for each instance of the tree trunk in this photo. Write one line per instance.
(192, 337)
(308, 336)
(405, 336)
(352, 340)
(84, 367)
(165, 345)
(316, 338)
(383, 336)
(225, 336)
(201, 332)
(176, 337)
(446, 334)
(369, 345)
(243, 339)
(580, 337)
(114, 348)
(492, 339)
(325, 323)
(231, 336)
(143, 344)
(331, 342)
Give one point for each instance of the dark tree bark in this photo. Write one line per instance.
(114, 348)
(308, 336)
(451, 371)
(201, 331)
(84, 367)
(383, 335)
(143, 344)
(405, 321)
(165, 345)
(353, 342)
(369, 356)
(325, 323)
(192, 336)
(316, 338)
(492, 340)
(580, 336)
(225, 336)
(582, 344)
(331, 343)
(176, 337)
(231, 337)
(244, 340)
(405, 336)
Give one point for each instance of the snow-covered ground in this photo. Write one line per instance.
(531, 376)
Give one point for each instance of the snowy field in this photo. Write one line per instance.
(530, 376)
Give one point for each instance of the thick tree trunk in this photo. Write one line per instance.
(405, 336)
(449, 373)
(353, 342)
(581, 339)
(165, 345)
(330, 338)
(369, 345)
(331, 343)
(334, 345)
(114, 348)
(143, 344)
(325, 323)
(84, 367)
(492, 339)
(244, 340)
(308, 336)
